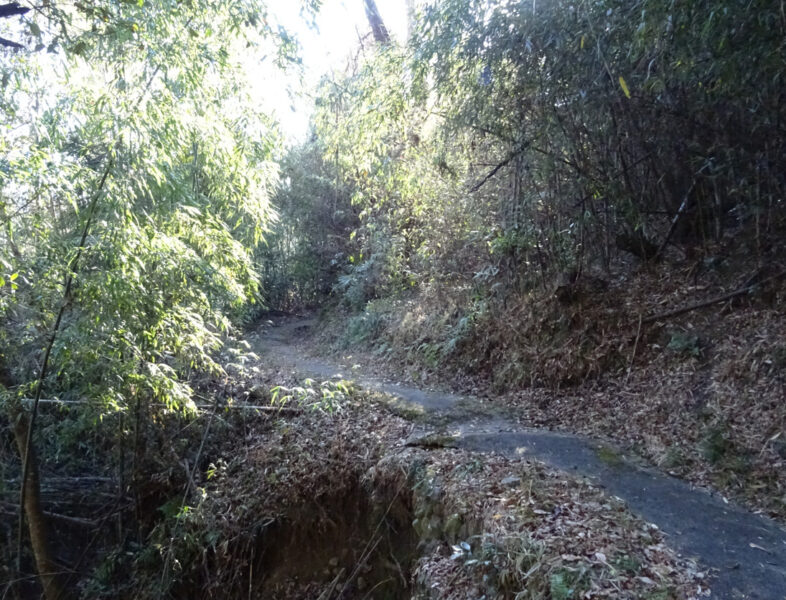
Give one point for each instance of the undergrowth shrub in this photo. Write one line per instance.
(365, 327)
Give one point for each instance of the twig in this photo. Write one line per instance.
(383, 582)
(740, 292)
(767, 443)
(12, 9)
(51, 515)
(273, 409)
(75, 479)
(368, 550)
(400, 570)
(251, 573)
(633, 355)
(674, 222)
(496, 169)
(329, 591)
(19, 579)
(189, 474)
(9, 44)
(683, 207)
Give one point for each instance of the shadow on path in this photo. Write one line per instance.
(746, 552)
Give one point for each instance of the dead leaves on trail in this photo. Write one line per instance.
(488, 525)
(700, 394)
(524, 531)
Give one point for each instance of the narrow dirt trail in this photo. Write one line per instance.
(745, 552)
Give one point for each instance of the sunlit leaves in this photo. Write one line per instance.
(538, 132)
(168, 264)
(11, 281)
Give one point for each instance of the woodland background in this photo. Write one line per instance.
(584, 196)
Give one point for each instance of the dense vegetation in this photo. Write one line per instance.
(516, 149)
(517, 193)
(135, 188)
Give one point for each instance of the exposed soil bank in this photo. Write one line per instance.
(359, 545)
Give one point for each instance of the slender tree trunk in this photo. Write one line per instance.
(24, 427)
(381, 34)
(48, 570)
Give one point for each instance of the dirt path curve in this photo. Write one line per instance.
(745, 553)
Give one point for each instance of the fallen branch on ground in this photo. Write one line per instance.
(740, 292)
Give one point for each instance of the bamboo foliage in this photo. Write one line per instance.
(150, 95)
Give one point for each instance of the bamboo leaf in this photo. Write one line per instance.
(624, 86)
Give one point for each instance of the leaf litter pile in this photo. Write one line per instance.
(704, 402)
(326, 501)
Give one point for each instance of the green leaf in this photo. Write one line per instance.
(559, 588)
(79, 49)
(624, 86)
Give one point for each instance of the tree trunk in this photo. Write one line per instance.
(381, 34)
(48, 570)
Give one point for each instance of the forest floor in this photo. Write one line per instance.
(743, 553)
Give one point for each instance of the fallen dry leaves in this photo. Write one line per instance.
(522, 530)
(532, 528)
(701, 395)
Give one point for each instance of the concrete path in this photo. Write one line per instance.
(745, 553)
